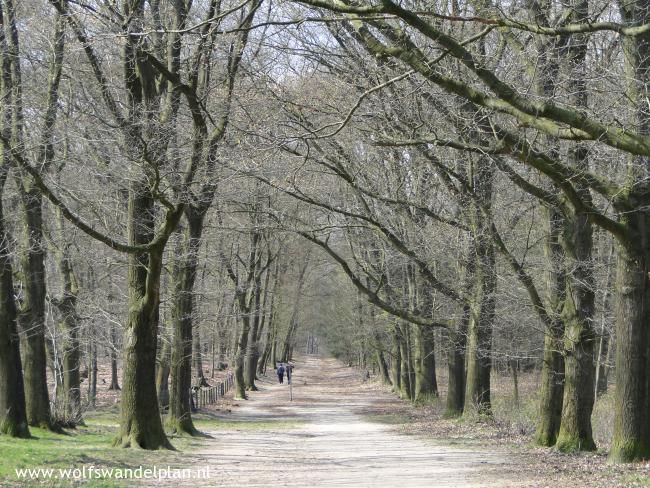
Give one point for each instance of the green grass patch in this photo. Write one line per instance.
(86, 446)
(428, 400)
(389, 418)
(219, 424)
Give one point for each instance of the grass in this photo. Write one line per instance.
(637, 479)
(206, 423)
(84, 447)
(388, 418)
(88, 445)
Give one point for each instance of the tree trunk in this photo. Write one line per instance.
(396, 361)
(140, 423)
(578, 313)
(196, 354)
(458, 341)
(114, 385)
(406, 368)
(162, 374)
(604, 349)
(242, 345)
(13, 412)
(575, 427)
(31, 316)
(253, 346)
(631, 438)
(479, 359)
(32, 313)
(424, 361)
(274, 352)
(180, 418)
(514, 370)
(552, 378)
(271, 331)
(479, 341)
(67, 307)
(92, 375)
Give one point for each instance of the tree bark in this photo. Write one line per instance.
(479, 341)
(578, 313)
(406, 368)
(13, 411)
(32, 313)
(575, 428)
(604, 349)
(253, 347)
(552, 376)
(458, 340)
(396, 360)
(140, 423)
(197, 356)
(631, 439)
(114, 385)
(426, 385)
(67, 307)
(162, 373)
(180, 418)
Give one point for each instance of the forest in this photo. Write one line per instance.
(445, 196)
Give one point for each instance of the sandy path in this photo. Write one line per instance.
(331, 443)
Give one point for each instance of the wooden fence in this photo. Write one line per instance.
(208, 395)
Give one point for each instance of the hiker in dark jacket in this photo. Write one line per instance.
(281, 373)
(289, 370)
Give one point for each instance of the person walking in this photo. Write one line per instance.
(289, 370)
(280, 372)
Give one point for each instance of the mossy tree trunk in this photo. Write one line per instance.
(244, 297)
(575, 428)
(32, 312)
(380, 357)
(578, 313)
(458, 339)
(426, 385)
(552, 375)
(13, 411)
(396, 360)
(32, 263)
(70, 324)
(631, 438)
(242, 344)
(140, 423)
(180, 418)
(479, 358)
(162, 373)
(114, 384)
(406, 368)
(253, 346)
(482, 309)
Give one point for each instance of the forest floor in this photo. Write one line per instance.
(339, 430)
(342, 431)
(328, 436)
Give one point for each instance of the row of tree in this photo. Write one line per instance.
(475, 168)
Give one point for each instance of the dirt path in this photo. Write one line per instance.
(329, 440)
